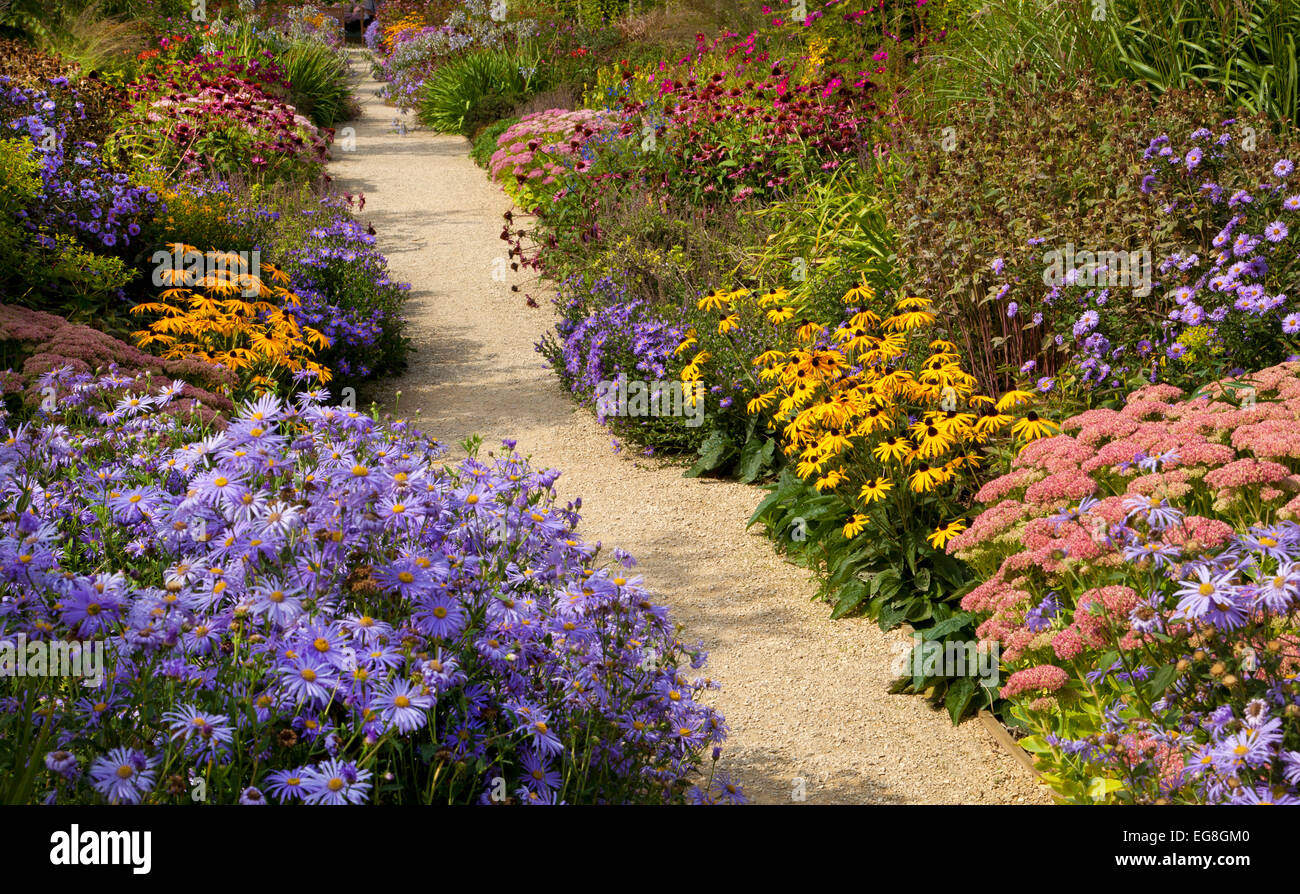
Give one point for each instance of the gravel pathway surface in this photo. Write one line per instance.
(805, 697)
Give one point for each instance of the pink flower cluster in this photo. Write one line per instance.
(1183, 454)
(45, 342)
(1042, 678)
(544, 145)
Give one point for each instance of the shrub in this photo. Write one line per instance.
(203, 122)
(978, 206)
(485, 141)
(457, 98)
(540, 154)
(344, 283)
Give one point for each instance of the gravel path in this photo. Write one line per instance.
(805, 697)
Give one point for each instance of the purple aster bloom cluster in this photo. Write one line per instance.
(311, 601)
(79, 194)
(347, 293)
(601, 334)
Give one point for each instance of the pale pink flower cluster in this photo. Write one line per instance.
(1055, 454)
(1171, 485)
(995, 520)
(1068, 486)
(1004, 484)
(1043, 678)
(1245, 473)
(1208, 534)
(1270, 439)
(544, 145)
(1162, 444)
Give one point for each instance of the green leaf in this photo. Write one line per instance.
(753, 457)
(959, 697)
(891, 616)
(950, 625)
(1161, 679)
(850, 598)
(715, 451)
(922, 581)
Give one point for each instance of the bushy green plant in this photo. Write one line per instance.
(462, 92)
(61, 272)
(985, 194)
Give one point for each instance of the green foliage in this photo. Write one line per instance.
(1060, 166)
(994, 43)
(316, 74)
(1245, 48)
(468, 91)
(486, 142)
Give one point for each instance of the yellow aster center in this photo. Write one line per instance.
(125, 772)
(402, 701)
(1206, 589)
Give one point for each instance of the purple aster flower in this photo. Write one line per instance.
(402, 705)
(123, 775)
(335, 782)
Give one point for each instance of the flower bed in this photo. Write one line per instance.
(1139, 578)
(308, 606)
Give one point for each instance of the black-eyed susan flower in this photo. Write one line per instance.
(894, 448)
(831, 480)
(874, 489)
(859, 294)
(809, 330)
(1031, 427)
(1013, 398)
(924, 478)
(855, 525)
(940, 536)
(715, 300)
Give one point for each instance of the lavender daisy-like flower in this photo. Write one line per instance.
(1197, 596)
(287, 785)
(402, 705)
(62, 762)
(123, 775)
(308, 679)
(252, 795)
(1283, 168)
(204, 733)
(1276, 231)
(335, 782)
